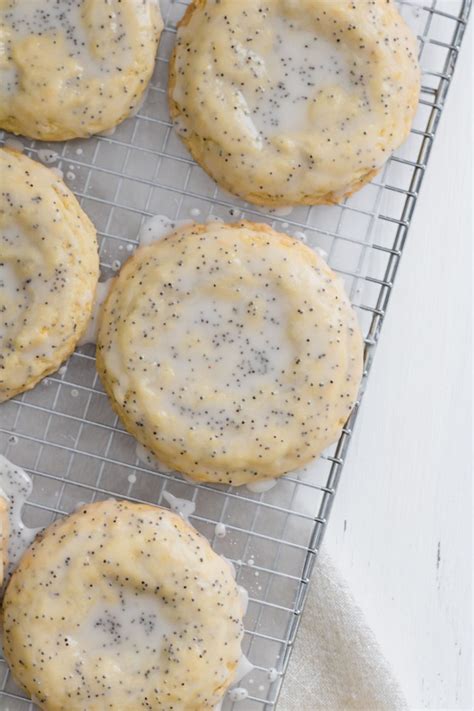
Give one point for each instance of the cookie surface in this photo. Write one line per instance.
(231, 351)
(49, 269)
(75, 67)
(287, 103)
(122, 606)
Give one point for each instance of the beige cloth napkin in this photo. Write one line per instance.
(337, 663)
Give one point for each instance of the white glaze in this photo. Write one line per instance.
(14, 145)
(140, 103)
(15, 487)
(244, 667)
(246, 361)
(231, 566)
(158, 227)
(281, 211)
(90, 335)
(301, 236)
(183, 507)
(272, 674)
(220, 530)
(261, 485)
(133, 621)
(67, 20)
(47, 156)
(244, 598)
(322, 252)
(296, 67)
(238, 694)
(108, 131)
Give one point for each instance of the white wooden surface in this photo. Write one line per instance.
(401, 524)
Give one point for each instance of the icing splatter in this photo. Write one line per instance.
(183, 507)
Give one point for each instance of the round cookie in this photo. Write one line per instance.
(75, 67)
(231, 351)
(122, 606)
(49, 268)
(289, 103)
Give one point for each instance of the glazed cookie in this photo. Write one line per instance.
(49, 269)
(288, 103)
(122, 606)
(75, 67)
(231, 351)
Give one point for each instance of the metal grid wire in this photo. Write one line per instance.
(64, 431)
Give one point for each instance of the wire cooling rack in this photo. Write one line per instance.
(64, 431)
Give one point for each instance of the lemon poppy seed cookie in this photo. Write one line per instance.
(122, 606)
(231, 351)
(49, 269)
(75, 67)
(287, 103)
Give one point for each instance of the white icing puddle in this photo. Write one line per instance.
(183, 507)
(15, 488)
(261, 485)
(158, 227)
(90, 335)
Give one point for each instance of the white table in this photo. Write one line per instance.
(401, 525)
